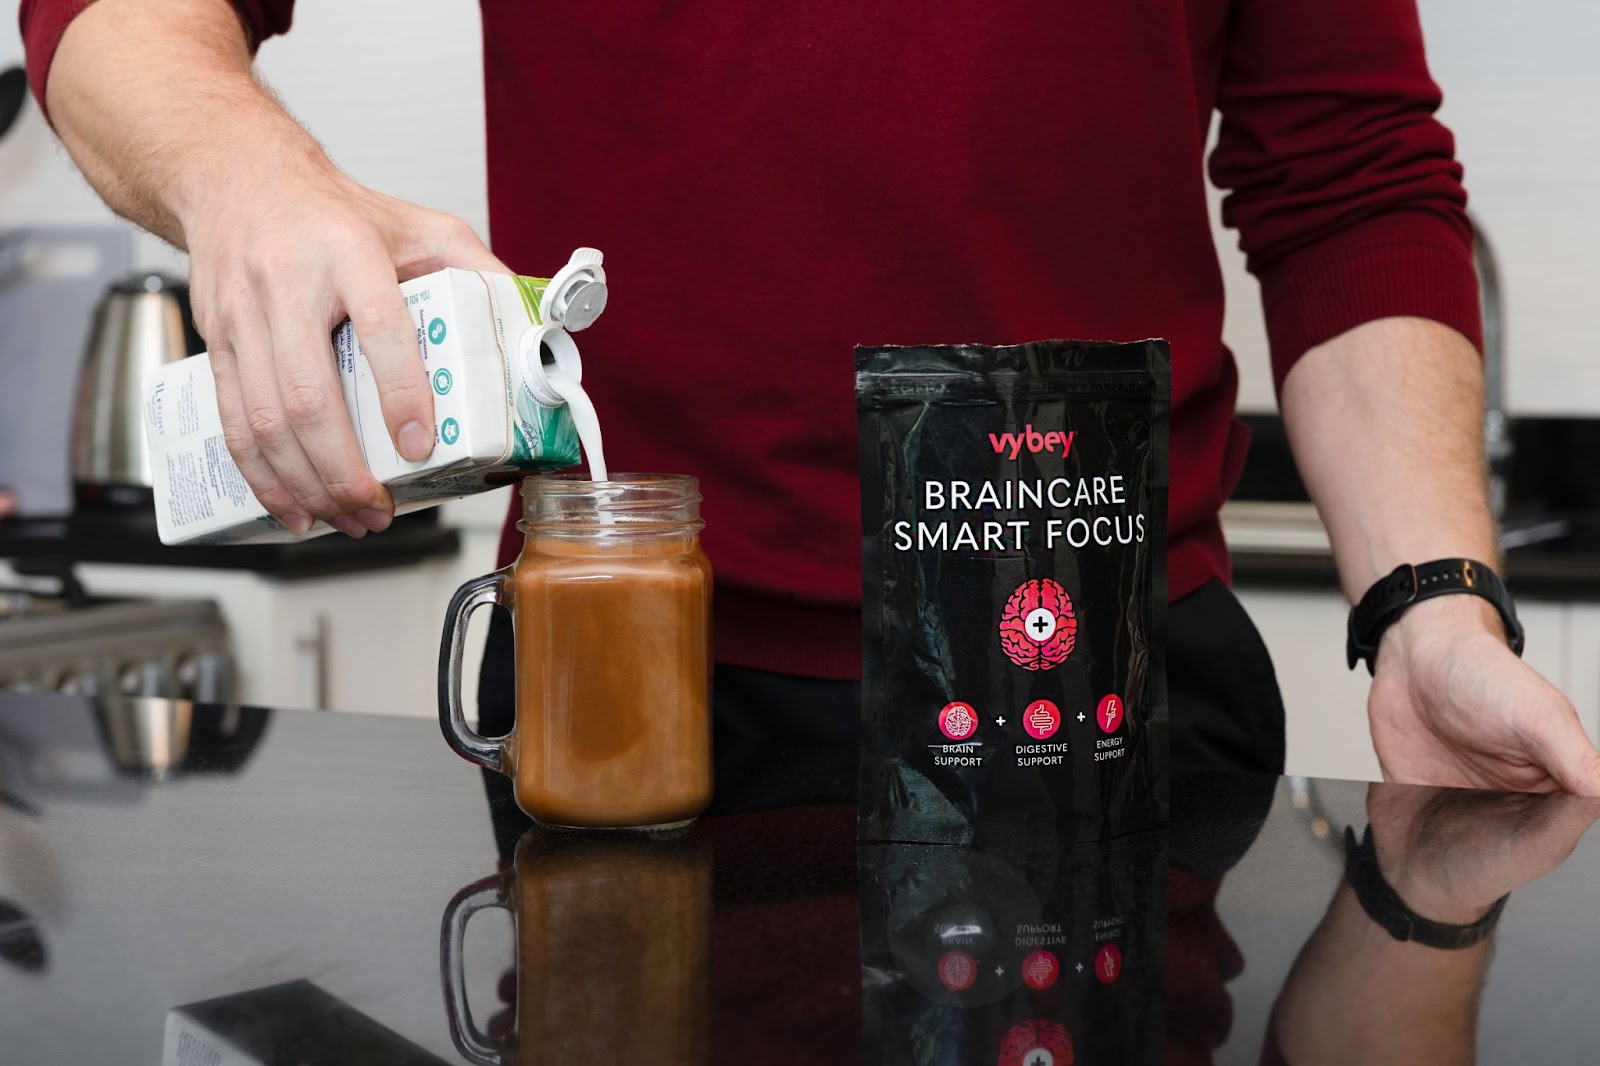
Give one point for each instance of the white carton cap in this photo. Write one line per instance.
(577, 294)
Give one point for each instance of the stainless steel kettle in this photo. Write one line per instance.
(141, 323)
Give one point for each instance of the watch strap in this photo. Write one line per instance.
(1385, 907)
(1390, 596)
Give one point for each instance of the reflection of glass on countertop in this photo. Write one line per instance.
(613, 941)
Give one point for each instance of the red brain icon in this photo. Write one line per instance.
(957, 970)
(1038, 628)
(1035, 1036)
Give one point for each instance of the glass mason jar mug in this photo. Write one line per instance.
(610, 601)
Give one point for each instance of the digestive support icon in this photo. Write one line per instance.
(1041, 719)
(1037, 628)
(1040, 970)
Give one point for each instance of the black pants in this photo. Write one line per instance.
(782, 739)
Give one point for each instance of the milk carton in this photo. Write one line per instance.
(498, 357)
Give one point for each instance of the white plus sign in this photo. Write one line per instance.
(1080, 716)
(999, 721)
(1080, 967)
(999, 971)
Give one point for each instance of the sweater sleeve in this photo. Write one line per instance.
(1343, 185)
(44, 21)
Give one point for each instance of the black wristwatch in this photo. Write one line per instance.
(1388, 599)
(1385, 907)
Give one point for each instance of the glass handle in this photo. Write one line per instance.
(484, 751)
(464, 1032)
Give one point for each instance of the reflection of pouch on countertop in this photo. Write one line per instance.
(291, 1022)
(991, 954)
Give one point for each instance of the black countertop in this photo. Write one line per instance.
(129, 537)
(1567, 568)
(1550, 480)
(290, 878)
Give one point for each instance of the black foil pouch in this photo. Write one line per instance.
(1014, 513)
(1014, 955)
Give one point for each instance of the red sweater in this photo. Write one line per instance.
(773, 184)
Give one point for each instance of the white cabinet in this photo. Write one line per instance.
(1548, 624)
(1326, 703)
(1582, 681)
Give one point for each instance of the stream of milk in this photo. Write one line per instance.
(584, 418)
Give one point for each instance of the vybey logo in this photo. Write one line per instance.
(1011, 445)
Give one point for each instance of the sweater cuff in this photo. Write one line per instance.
(1412, 265)
(43, 23)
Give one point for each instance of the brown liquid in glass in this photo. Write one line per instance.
(613, 681)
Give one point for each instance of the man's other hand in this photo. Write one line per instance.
(1452, 705)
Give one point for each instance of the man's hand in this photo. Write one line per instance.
(277, 260)
(1452, 705)
(1386, 422)
(158, 104)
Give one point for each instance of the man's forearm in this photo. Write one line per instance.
(159, 107)
(1386, 423)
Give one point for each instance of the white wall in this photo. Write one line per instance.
(1522, 92)
(392, 88)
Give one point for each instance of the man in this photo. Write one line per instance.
(790, 180)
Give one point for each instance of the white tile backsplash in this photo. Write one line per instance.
(361, 76)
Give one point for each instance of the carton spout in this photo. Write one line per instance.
(541, 349)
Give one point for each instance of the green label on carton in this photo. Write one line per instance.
(546, 439)
(532, 292)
